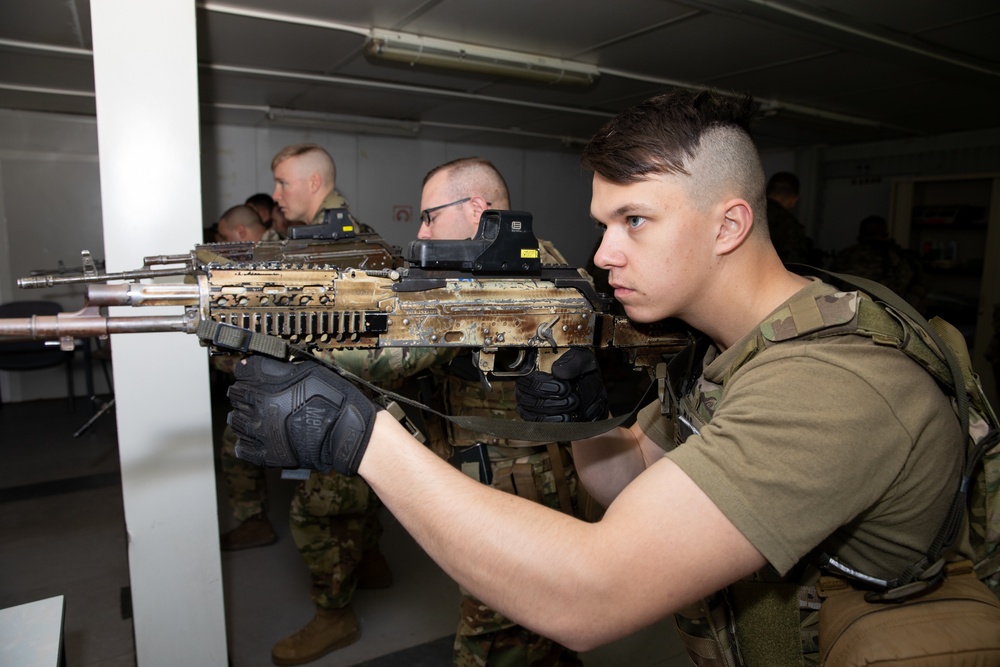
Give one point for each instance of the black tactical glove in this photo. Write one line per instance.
(572, 392)
(300, 415)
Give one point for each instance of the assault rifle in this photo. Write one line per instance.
(490, 293)
(335, 241)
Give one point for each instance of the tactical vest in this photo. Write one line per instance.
(760, 622)
(536, 470)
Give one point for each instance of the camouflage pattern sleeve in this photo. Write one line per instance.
(224, 363)
(550, 255)
(389, 366)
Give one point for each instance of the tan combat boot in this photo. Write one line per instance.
(329, 630)
(254, 532)
(373, 570)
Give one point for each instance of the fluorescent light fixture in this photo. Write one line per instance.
(417, 50)
(343, 123)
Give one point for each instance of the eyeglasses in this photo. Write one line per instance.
(425, 215)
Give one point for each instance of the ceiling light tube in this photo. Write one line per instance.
(432, 52)
(343, 123)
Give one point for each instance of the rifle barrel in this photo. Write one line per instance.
(88, 325)
(136, 294)
(51, 280)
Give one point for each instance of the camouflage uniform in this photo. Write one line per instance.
(885, 262)
(336, 200)
(247, 483)
(485, 636)
(333, 518)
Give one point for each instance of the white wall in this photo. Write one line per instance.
(846, 202)
(857, 180)
(50, 210)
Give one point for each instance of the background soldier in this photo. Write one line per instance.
(787, 234)
(246, 484)
(878, 257)
(333, 519)
(453, 198)
(242, 223)
(264, 205)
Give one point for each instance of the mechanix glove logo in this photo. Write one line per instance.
(309, 424)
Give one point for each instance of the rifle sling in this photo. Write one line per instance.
(948, 533)
(238, 339)
(502, 428)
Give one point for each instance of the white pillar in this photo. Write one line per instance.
(146, 78)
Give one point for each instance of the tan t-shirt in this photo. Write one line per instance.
(836, 441)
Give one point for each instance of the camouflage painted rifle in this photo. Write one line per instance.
(489, 293)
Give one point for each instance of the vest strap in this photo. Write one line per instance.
(559, 475)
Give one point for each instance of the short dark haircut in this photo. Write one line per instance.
(261, 199)
(873, 228)
(783, 184)
(660, 135)
(701, 134)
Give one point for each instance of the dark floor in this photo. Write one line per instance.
(62, 533)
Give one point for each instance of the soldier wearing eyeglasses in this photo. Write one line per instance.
(454, 197)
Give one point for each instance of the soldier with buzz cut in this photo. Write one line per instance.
(334, 519)
(305, 184)
(453, 198)
(242, 223)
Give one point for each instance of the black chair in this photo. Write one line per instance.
(25, 355)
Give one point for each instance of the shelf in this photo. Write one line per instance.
(939, 267)
(966, 226)
(949, 214)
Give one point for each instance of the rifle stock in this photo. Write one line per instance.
(489, 293)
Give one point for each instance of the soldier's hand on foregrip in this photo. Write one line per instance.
(298, 415)
(573, 392)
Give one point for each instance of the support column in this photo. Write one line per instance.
(146, 78)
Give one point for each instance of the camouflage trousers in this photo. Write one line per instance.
(246, 483)
(487, 638)
(334, 520)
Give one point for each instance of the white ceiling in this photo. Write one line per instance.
(827, 72)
